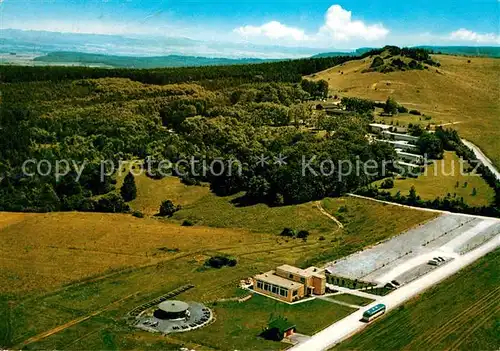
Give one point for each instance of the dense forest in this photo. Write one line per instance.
(211, 76)
(259, 120)
(245, 113)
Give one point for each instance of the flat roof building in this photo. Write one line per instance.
(377, 127)
(399, 136)
(290, 283)
(403, 145)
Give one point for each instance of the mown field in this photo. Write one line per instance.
(444, 177)
(458, 91)
(461, 313)
(72, 277)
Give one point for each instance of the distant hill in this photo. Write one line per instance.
(485, 51)
(70, 57)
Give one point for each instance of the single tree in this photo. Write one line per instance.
(412, 196)
(391, 106)
(128, 189)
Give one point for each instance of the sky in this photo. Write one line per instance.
(296, 23)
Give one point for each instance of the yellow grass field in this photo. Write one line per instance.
(458, 91)
(43, 251)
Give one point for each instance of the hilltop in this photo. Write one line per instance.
(462, 91)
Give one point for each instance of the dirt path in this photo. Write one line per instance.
(73, 322)
(324, 212)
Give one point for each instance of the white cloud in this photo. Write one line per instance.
(466, 35)
(338, 27)
(272, 30)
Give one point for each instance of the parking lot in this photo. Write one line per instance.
(406, 256)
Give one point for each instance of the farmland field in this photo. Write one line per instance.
(461, 313)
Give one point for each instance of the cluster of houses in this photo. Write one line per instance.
(405, 145)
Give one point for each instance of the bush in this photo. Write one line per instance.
(288, 232)
(138, 214)
(415, 112)
(168, 208)
(187, 223)
(402, 109)
(302, 234)
(387, 184)
(221, 261)
(111, 203)
(377, 62)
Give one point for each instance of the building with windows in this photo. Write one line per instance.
(290, 283)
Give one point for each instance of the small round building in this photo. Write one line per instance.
(172, 309)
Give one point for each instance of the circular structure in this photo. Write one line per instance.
(172, 309)
(174, 317)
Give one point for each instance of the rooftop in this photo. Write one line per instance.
(409, 164)
(398, 142)
(386, 132)
(272, 278)
(282, 324)
(173, 306)
(400, 152)
(295, 270)
(378, 125)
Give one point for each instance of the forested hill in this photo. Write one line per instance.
(243, 112)
(283, 71)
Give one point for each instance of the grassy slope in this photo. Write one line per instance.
(151, 193)
(461, 92)
(461, 313)
(56, 250)
(437, 181)
(204, 208)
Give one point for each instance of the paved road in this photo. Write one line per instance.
(348, 326)
(482, 157)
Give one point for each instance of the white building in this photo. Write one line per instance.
(399, 137)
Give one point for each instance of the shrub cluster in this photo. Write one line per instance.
(221, 261)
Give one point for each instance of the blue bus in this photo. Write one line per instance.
(373, 312)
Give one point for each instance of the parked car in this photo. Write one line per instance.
(433, 263)
(394, 282)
